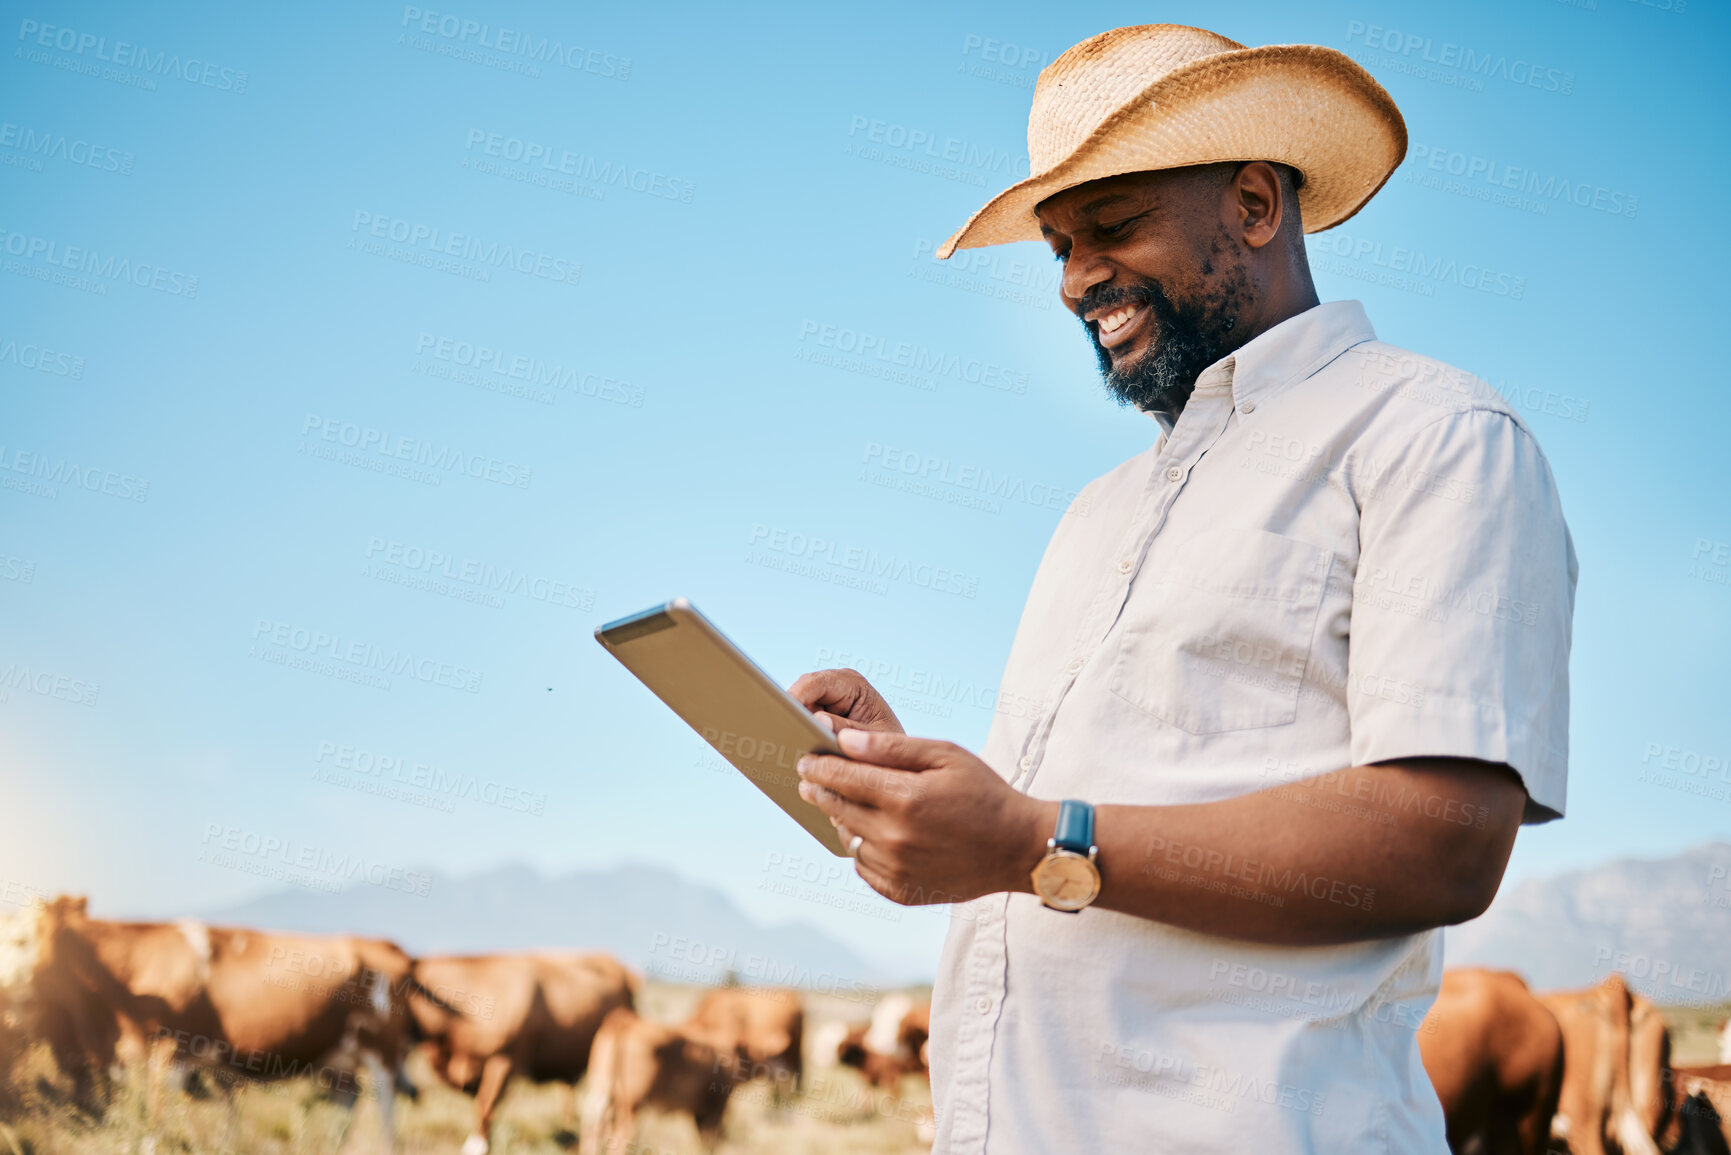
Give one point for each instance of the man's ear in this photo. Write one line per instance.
(1257, 202)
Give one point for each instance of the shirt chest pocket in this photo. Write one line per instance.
(1217, 636)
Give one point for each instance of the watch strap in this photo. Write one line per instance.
(1075, 830)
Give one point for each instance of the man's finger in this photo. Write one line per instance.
(877, 881)
(860, 820)
(869, 785)
(823, 689)
(896, 751)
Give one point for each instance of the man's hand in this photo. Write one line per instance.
(939, 824)
(844, 698)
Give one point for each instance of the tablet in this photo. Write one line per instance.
(723, 695)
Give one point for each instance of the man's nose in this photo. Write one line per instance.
(1081, 273)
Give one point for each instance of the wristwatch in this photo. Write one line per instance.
(1067, 879)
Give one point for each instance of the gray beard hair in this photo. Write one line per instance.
(1186, 340)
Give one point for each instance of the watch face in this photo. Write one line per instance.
(1066, 880)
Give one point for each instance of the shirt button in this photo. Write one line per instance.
(1075, 666)
(1247, 408)
(1174, 474)
(1126, 565)
(983, 1005)
(1027, 762)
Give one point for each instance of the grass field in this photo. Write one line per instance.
(838, 1112)
(1694, 1033)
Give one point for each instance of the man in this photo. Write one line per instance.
(1286, 683)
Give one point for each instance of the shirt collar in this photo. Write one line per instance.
(1291, 351)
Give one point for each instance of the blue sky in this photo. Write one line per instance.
(490, 343)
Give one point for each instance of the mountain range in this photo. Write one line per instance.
(1665, 924)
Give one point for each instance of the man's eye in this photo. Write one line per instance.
(1114, 230)
(1061, 257)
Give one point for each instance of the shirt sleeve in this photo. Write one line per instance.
(1462, 606)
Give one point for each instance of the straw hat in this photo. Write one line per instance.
(1165, 96)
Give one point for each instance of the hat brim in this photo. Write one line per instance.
(1303, 105)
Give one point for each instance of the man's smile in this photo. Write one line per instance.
(1118, 325)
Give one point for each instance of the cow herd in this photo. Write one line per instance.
(187, 1001)
(1587, 1072)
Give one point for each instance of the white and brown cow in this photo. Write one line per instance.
(891, 1045)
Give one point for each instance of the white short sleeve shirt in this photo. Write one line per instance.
(1341, 553)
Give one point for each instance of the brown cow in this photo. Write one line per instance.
(1597, 1113)
(638, 1064)
(243, 1004)
(1495, 1056)
(764, 1025)
(489, 1018)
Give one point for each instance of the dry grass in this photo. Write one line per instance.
(837, 1112)
(1694, 1033)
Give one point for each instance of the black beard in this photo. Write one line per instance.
(1184, 341)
